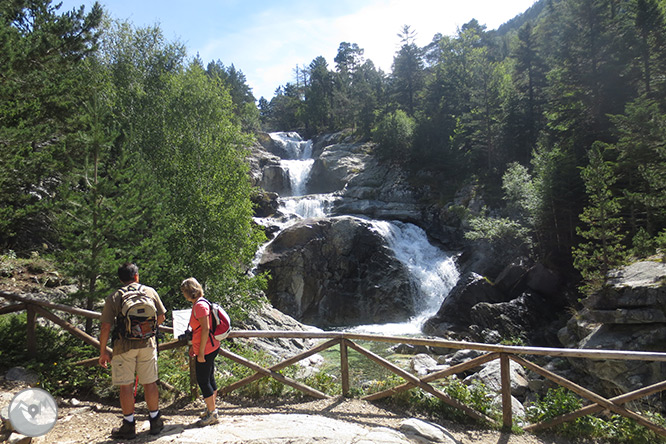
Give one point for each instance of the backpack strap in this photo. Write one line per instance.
(210, 313)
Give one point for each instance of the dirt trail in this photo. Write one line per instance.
(91, 422)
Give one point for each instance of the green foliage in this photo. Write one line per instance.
(318, 97)
(241, 95)
(57, 351)
(643, 244)
(518, 341)
(660, 240)
(503, 234)
(475, 395)
(641, 163)
(615, 429)
(394, 136)
(41, 52)
(603, 250)
(174, 368)
(520, 194)
(407, 71)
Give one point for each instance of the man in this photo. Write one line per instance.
(131, 356)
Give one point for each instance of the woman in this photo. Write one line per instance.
(204, 347)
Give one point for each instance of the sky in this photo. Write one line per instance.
(268, 39)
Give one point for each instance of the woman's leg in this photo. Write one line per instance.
(206, 380)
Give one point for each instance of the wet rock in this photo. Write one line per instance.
(337, 271)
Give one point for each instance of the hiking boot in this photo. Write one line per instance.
(156, 424)
(125, 431)
(210, 418)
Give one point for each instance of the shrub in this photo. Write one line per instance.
(643, 244)
(616, 429)
(661, 244)
(54, 363)
(394, 135)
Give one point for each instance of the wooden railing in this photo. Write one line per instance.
(345, 341)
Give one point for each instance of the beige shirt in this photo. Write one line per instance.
(112, 306)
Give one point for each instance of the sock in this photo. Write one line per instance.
(129, 418)
(154, 414)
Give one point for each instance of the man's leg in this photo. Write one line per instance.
(127, 430)
(127, 399)
(152, 395)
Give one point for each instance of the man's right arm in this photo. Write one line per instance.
(104, 334)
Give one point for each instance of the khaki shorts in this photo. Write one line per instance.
(139, 361)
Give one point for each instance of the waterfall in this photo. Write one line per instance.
(298, 168)
(299, 171)
(434, 271)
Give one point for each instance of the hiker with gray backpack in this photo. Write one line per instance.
(209, 324)
(134, 311)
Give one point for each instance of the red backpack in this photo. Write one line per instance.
(220, 321)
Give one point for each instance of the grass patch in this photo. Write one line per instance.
(615, 428)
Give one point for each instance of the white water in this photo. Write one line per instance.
(299, 171)
(433, 270)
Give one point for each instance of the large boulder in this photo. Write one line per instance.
(335, 166)
(267, 317)
(630, 314)
(526, 317)
(337, 271)
(265, 170)
(455, 312)
(523, 302)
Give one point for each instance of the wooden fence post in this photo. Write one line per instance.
(194, 387)
(31, 337)
(505, 375)
(344, 367)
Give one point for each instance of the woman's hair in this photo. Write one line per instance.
(191, 288)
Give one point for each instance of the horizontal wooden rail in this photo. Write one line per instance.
(23, 300)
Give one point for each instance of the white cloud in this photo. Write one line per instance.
(267, 39)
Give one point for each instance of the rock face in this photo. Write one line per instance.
(336, 271)
(630, 315)
(364, 186)
(265, 171)
(521, 303)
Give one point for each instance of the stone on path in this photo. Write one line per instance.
(426, 432)
(281, 428)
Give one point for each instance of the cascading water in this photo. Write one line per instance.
(298, 168)
(433, 271)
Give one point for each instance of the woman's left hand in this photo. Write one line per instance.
(201, 359)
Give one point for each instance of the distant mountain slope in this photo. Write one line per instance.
(531, 14)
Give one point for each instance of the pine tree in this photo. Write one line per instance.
(89, 207)
(318, 97)
(42, 83)
(602, 250)
(407, 71)
(641, 149)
